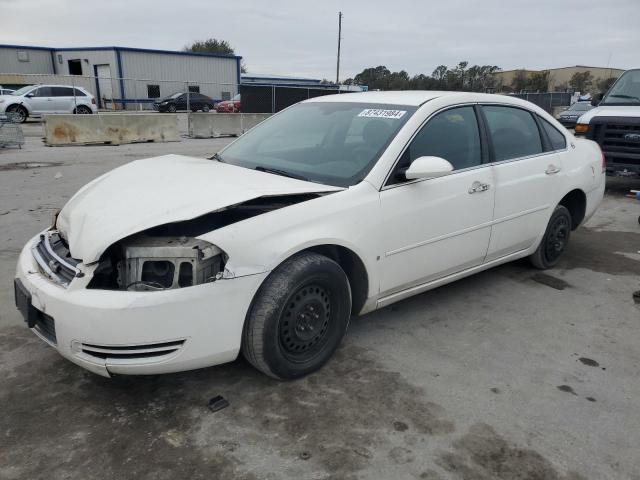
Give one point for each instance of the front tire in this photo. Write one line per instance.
(298, 317)
(171, 109)
(19, 113)
(555, 239)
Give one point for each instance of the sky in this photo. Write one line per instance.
(297, 37)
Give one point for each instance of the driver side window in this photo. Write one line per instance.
(452, 135)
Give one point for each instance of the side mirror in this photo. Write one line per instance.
(428, 167)
(596, 99)
(30, 95)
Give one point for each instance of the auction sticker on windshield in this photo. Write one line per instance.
(381, 113)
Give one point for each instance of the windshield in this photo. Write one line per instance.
(626, 90)
(331, 143)
(24, 90)
(176, 95)
(580, 107)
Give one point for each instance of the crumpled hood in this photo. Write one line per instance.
(155, 191)
(611, 111)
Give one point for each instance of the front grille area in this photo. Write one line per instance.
(46, 326)
(619, 138)
(147, 351)
(53, 256)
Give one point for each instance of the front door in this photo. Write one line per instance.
(432, 228)
(42, 101)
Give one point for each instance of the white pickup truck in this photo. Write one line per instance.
(615, 125)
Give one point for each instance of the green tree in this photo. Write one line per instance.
(604, 84)
(581, 81)
(538, 81)
(210, 45)
(519, 81)
(213, 45)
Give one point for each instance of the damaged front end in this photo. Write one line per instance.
(171, 256)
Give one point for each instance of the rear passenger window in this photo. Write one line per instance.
(514, 132)
(62, 91)
(557, 139)
(79, 93)
(452, 135)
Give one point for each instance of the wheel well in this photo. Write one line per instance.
(81, 106)
(353, 266)
(576, 202)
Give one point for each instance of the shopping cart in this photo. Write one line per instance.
(10, 131)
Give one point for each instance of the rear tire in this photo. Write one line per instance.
(19, 113)
(298, 317)
(171, 109)
(555, 239)
(83, 110)
(206, 108)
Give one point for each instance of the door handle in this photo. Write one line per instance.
(477, 187)
(552, 169)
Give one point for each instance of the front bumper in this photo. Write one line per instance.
(138, 333)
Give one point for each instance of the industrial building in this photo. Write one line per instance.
(119, 76)
(559, 78)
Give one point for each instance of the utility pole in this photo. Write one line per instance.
(339, 38)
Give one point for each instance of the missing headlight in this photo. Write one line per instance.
(159, 263)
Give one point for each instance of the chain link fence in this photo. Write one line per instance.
(144, 95)
(549, 101)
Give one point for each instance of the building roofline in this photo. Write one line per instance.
(26, 47)
(124, 49)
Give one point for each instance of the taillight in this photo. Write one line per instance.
(93, 101)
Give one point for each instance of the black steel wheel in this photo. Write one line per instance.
(206, 108)
(171, 108)
(298, 317)
(307, 314)
(555, 239)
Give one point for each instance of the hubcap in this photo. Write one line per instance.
(305, 321)
(557, 238)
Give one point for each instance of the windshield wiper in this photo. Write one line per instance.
(216, 156)
(621, 95)
(283, 173)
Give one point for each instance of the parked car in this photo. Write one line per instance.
(6, 91)
(184, 101)
(615, 125)
(570, 116)
(36, 100)
(229, 106)
(334, 207)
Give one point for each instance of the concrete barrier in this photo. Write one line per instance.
(110, 128)
(210, 125)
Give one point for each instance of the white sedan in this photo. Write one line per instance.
(334, 207)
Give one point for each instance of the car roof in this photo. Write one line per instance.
(417, 97)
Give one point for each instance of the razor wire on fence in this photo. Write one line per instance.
(131, 94)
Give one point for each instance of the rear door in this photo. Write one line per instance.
(528, 176)
(63, 99)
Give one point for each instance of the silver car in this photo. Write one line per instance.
(36, 100)
(570, 116)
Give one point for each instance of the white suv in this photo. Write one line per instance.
(36, 100)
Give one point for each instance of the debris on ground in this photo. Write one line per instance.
(218, 403)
